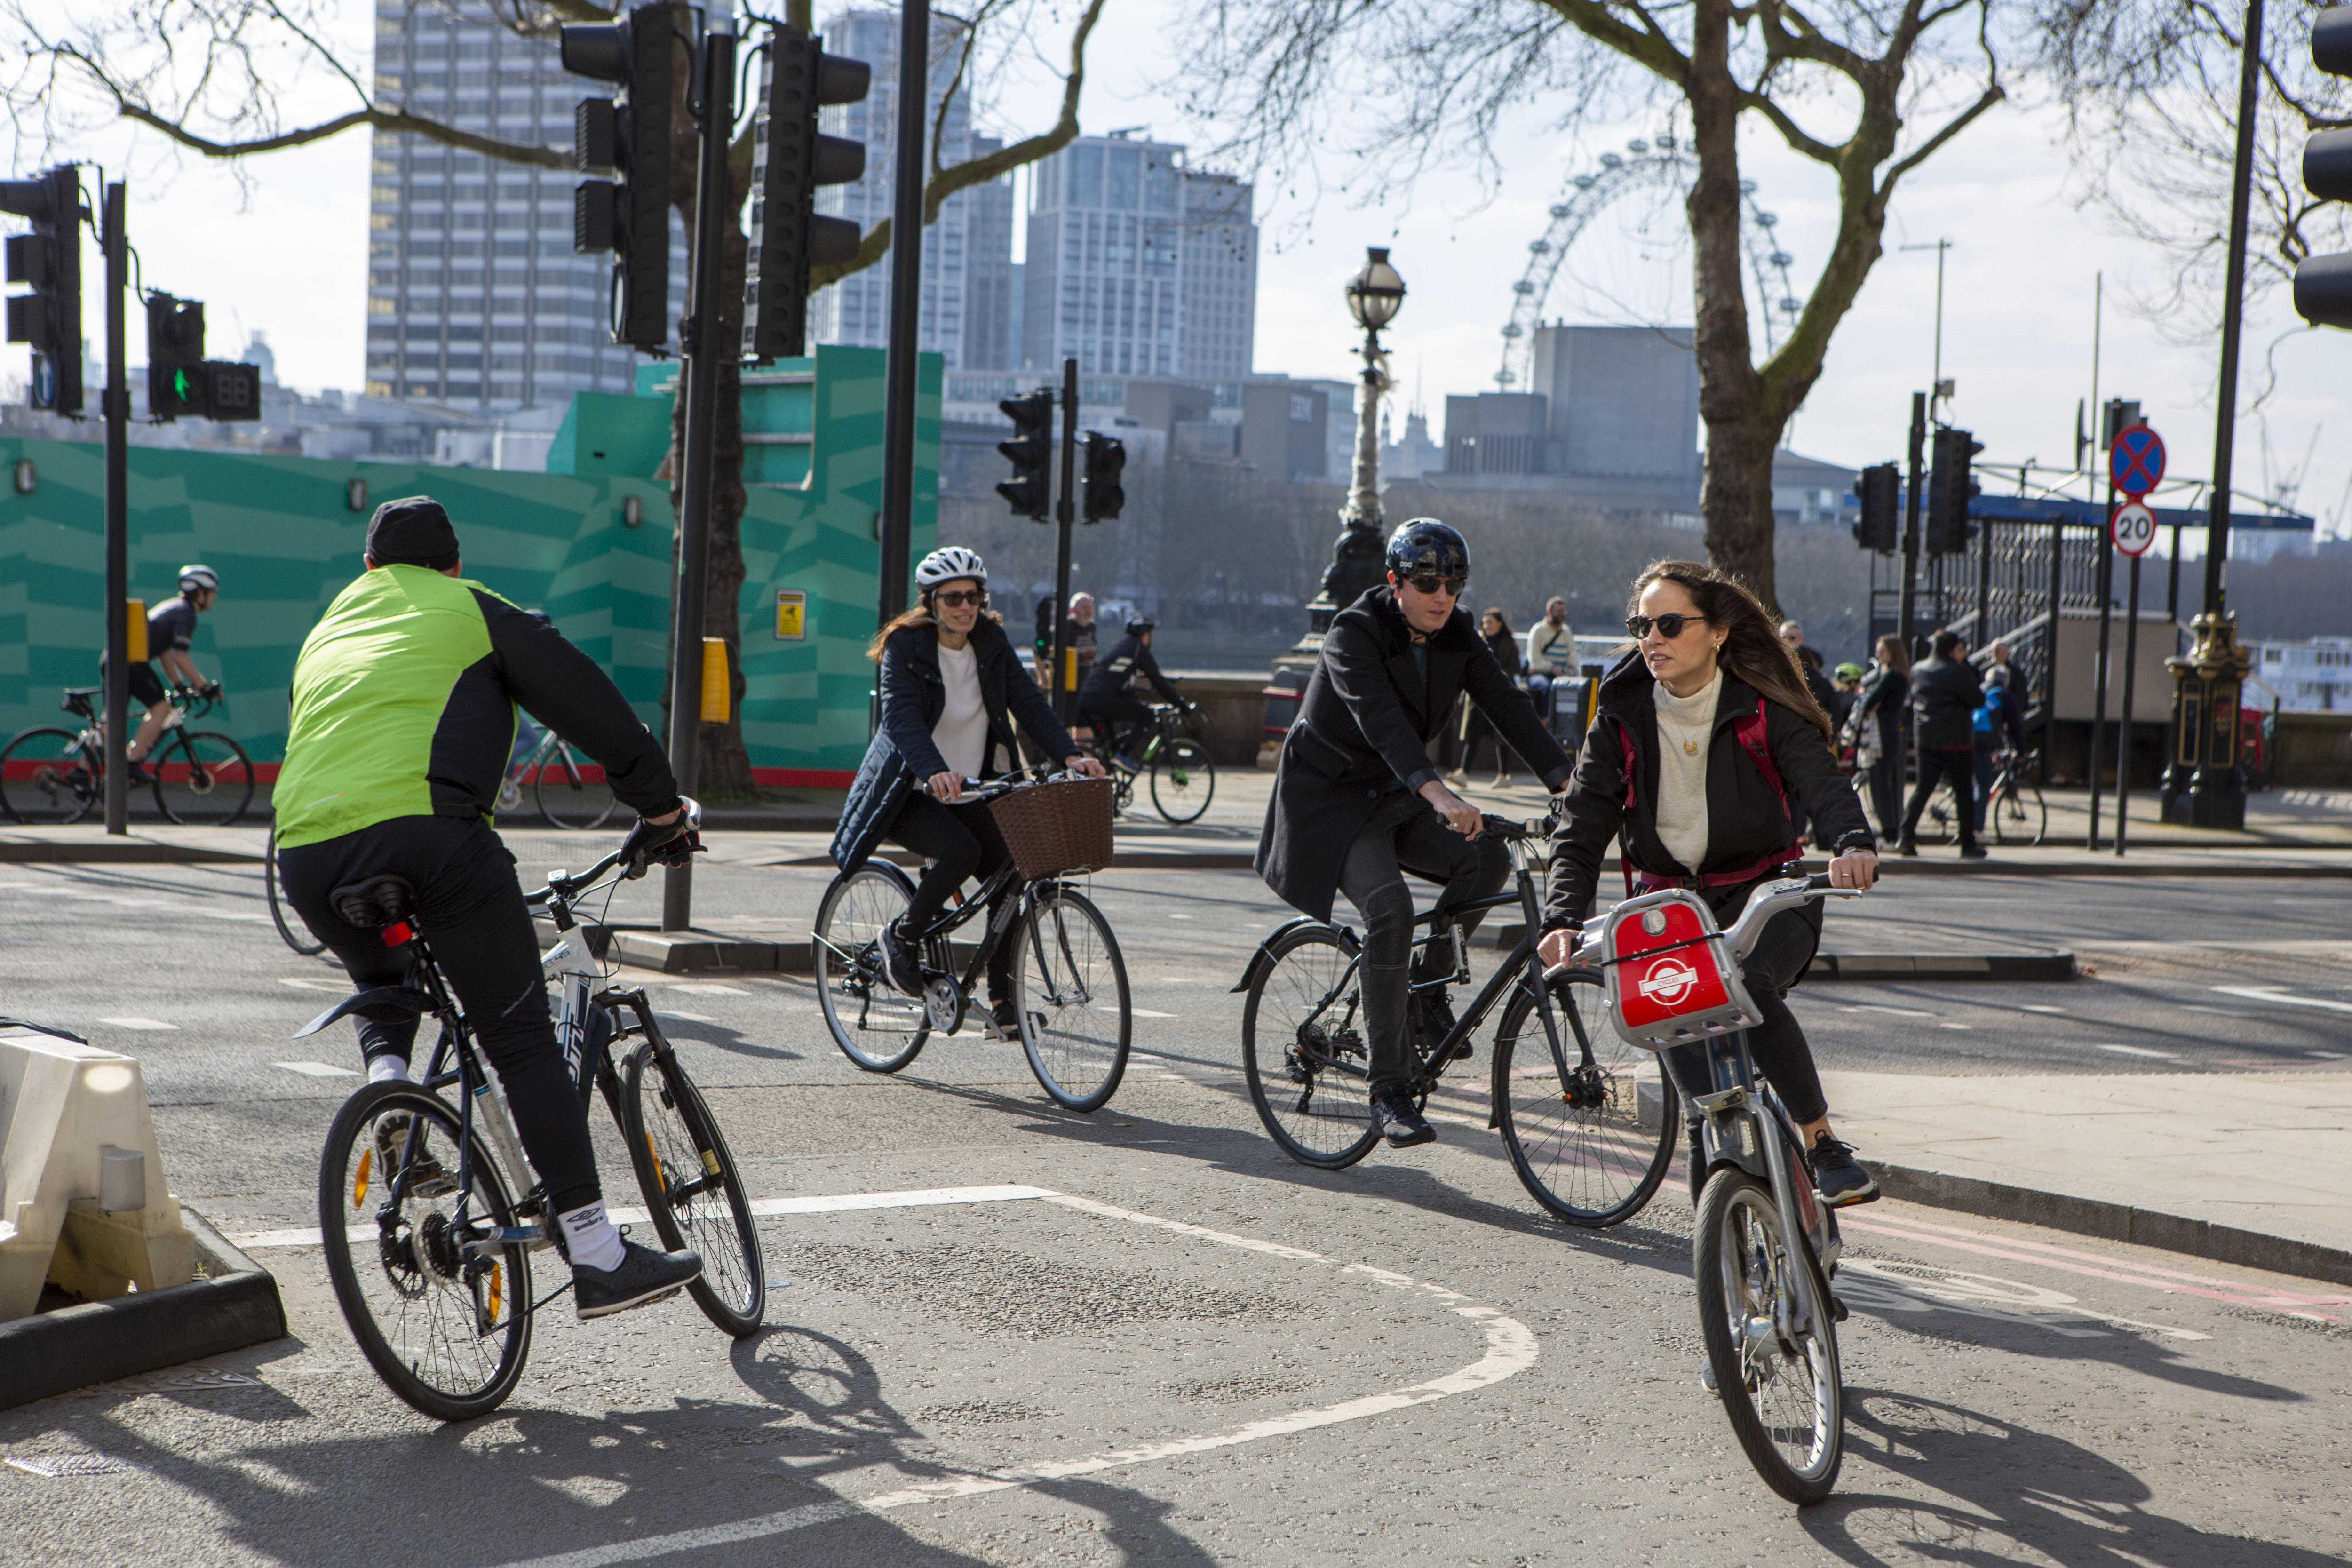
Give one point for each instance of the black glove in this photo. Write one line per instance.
(670, 843)
(209, 688)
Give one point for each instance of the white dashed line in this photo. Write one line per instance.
(138, 1023)
(318, 1069)
(2139, 1051)
(2254, 994)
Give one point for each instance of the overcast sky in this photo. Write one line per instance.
(286, 255)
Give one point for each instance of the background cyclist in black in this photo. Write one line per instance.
(1108, 700)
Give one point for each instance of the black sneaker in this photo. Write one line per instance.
(427, 1177)
(1004, 1022)
(1838, 1176)
(1432, 1013)
(1975, 852)
(1908, 850)
(900, 965)
(1400, 1121)
(643, 1278)
(138, 773)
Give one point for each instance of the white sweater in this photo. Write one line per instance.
(1684, 725)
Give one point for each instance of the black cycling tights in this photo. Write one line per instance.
(471, 912)
(1776, 1044)
(961, 842)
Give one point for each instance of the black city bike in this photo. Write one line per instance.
(1177, 769)
(289, 923)
(51, 775)
(2015, 814)
(1589, 1120)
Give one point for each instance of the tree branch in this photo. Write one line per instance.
(1993, 94)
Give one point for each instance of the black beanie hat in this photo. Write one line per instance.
(412, 531)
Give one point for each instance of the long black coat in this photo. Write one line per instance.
(1746, 819)
(1945, 696)
(914, 695)
(1365, 718)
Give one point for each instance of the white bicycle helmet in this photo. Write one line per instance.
(945, 565)
(197, 577)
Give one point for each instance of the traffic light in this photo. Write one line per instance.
(232, 391)
(175, 357)
(1949, 487)
(790, 159)
(1030, 490)
(1105, 458)
(628, 133)
(49, 258)
(1880, 527)
(2323, 284)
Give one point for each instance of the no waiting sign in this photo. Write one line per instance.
(2134, 527)
(2135, 462)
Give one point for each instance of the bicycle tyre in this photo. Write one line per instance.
(1593, 1166)
(288, 920)
(566, 796)
(1940, 821)
(47, 780)
(203, 779)
(875, 1027)
(459, 1383)
(1289, 1006)
(675, 1134)
(2019, 816)
(1183, 780)
(1739, 1225)
(1058, 977)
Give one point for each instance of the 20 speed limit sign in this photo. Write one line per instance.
(2134, 527)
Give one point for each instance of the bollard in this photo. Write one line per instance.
(717, 691)
(134, 630)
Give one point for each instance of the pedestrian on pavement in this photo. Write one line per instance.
(1944, 700)
(171, 631)
(402, 711)
(1675, 770)
(1475, 725)
(951, 680)
(1108, 699)
(1881, 716)
(1845, 682)
(1077, 639)
(1999, 727)
(1357, 803)
(1551, 655)
(1809, 663)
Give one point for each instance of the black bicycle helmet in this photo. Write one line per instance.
(1426, 547)
(1138, 625)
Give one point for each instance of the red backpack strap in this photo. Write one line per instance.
(1752, 735)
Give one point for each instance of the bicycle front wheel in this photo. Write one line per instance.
(2019, 816)
(1779, 1381)
(203, 779)
(692, 1188)
(1591, 1144)
(1304, 1053)
(1070, 984)
(572, 793)
(1182, 779)
(878, 1028)
(45, 779)
(290, 924)
(444, 1320)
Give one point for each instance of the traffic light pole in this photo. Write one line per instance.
(2106, 627)
(704, 348)
(1911, 523)
(116, 245)
(1065, 514)
(906, 262)
(2123, 735)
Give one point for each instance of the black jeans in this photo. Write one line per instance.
(1957, 763)
(1404, 833)
(470, 911)
(1120, 721)
(1886, 793)
(1776, 1044)
(961, 842)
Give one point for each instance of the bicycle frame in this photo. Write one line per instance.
(1746, 1126)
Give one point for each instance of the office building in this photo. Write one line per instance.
(1611, 416)
(476, 298)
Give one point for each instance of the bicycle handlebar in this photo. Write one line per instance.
(568, 887)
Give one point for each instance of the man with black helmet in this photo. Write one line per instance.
(1357, 803)
(1107, 701)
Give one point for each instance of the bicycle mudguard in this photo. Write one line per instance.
(384, 1004)
(1262, 959)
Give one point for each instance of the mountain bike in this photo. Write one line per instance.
(1588, 1120)
(431, 1267)
(2014, 813)
(1182, 776)
(568, 793)
(51, 775)
(1069, 981)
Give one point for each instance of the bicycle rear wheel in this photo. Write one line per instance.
(45, 779)
(290, 924)
(1941, 819)
(2019, 816)
(1070, 984)
(1590, 1146)
(569, 792)
(201, 779)
(692, 1186)
(446, 1332)
(1304, 1054)
(1183, 778)
(1781, 1384)
(875, 1026)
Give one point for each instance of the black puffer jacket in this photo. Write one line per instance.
(1746, 819)
(1945, 696)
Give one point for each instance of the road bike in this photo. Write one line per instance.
(1069, 981)
(1589, 1120)
(51, 775)
(431, 1267)
(290, 924)
(568, 793)
(2014, 813)
(1181, 776)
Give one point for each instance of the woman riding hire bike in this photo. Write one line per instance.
(949, 676)
(1702, 733)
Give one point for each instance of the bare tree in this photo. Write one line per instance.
(1841, 84)
(211, 77)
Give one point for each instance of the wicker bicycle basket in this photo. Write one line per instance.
(1057, 829)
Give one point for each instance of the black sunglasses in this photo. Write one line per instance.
(956, 598)
(1450, 587)
(1670, 627)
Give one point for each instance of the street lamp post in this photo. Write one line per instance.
(1373, 296)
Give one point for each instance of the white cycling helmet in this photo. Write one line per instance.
(196, 577)
(945, 565)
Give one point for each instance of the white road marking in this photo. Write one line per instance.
(318, 1069)
(687, 1018)
(315, 981)
(706, 988)
(2139, 1051)
(756, 1529)
(2263, 994)
(2042, 1007)
(1964, 1028)
(138, 1023)
(231, 915)
(1892, 1012)
(1147, 1013)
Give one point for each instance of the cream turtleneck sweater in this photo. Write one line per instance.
(1685, 724)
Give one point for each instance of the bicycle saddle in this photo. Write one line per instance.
(74, 693)
(371, 905)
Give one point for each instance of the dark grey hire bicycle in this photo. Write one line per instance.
(432, 1267)
(1589, 1120)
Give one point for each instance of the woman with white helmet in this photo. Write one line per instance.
(950, 683)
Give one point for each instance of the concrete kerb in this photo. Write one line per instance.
(231, 1304)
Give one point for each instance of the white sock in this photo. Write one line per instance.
(590, 1236)
(387, 1067)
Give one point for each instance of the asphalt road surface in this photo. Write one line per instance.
(1179, 1347)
